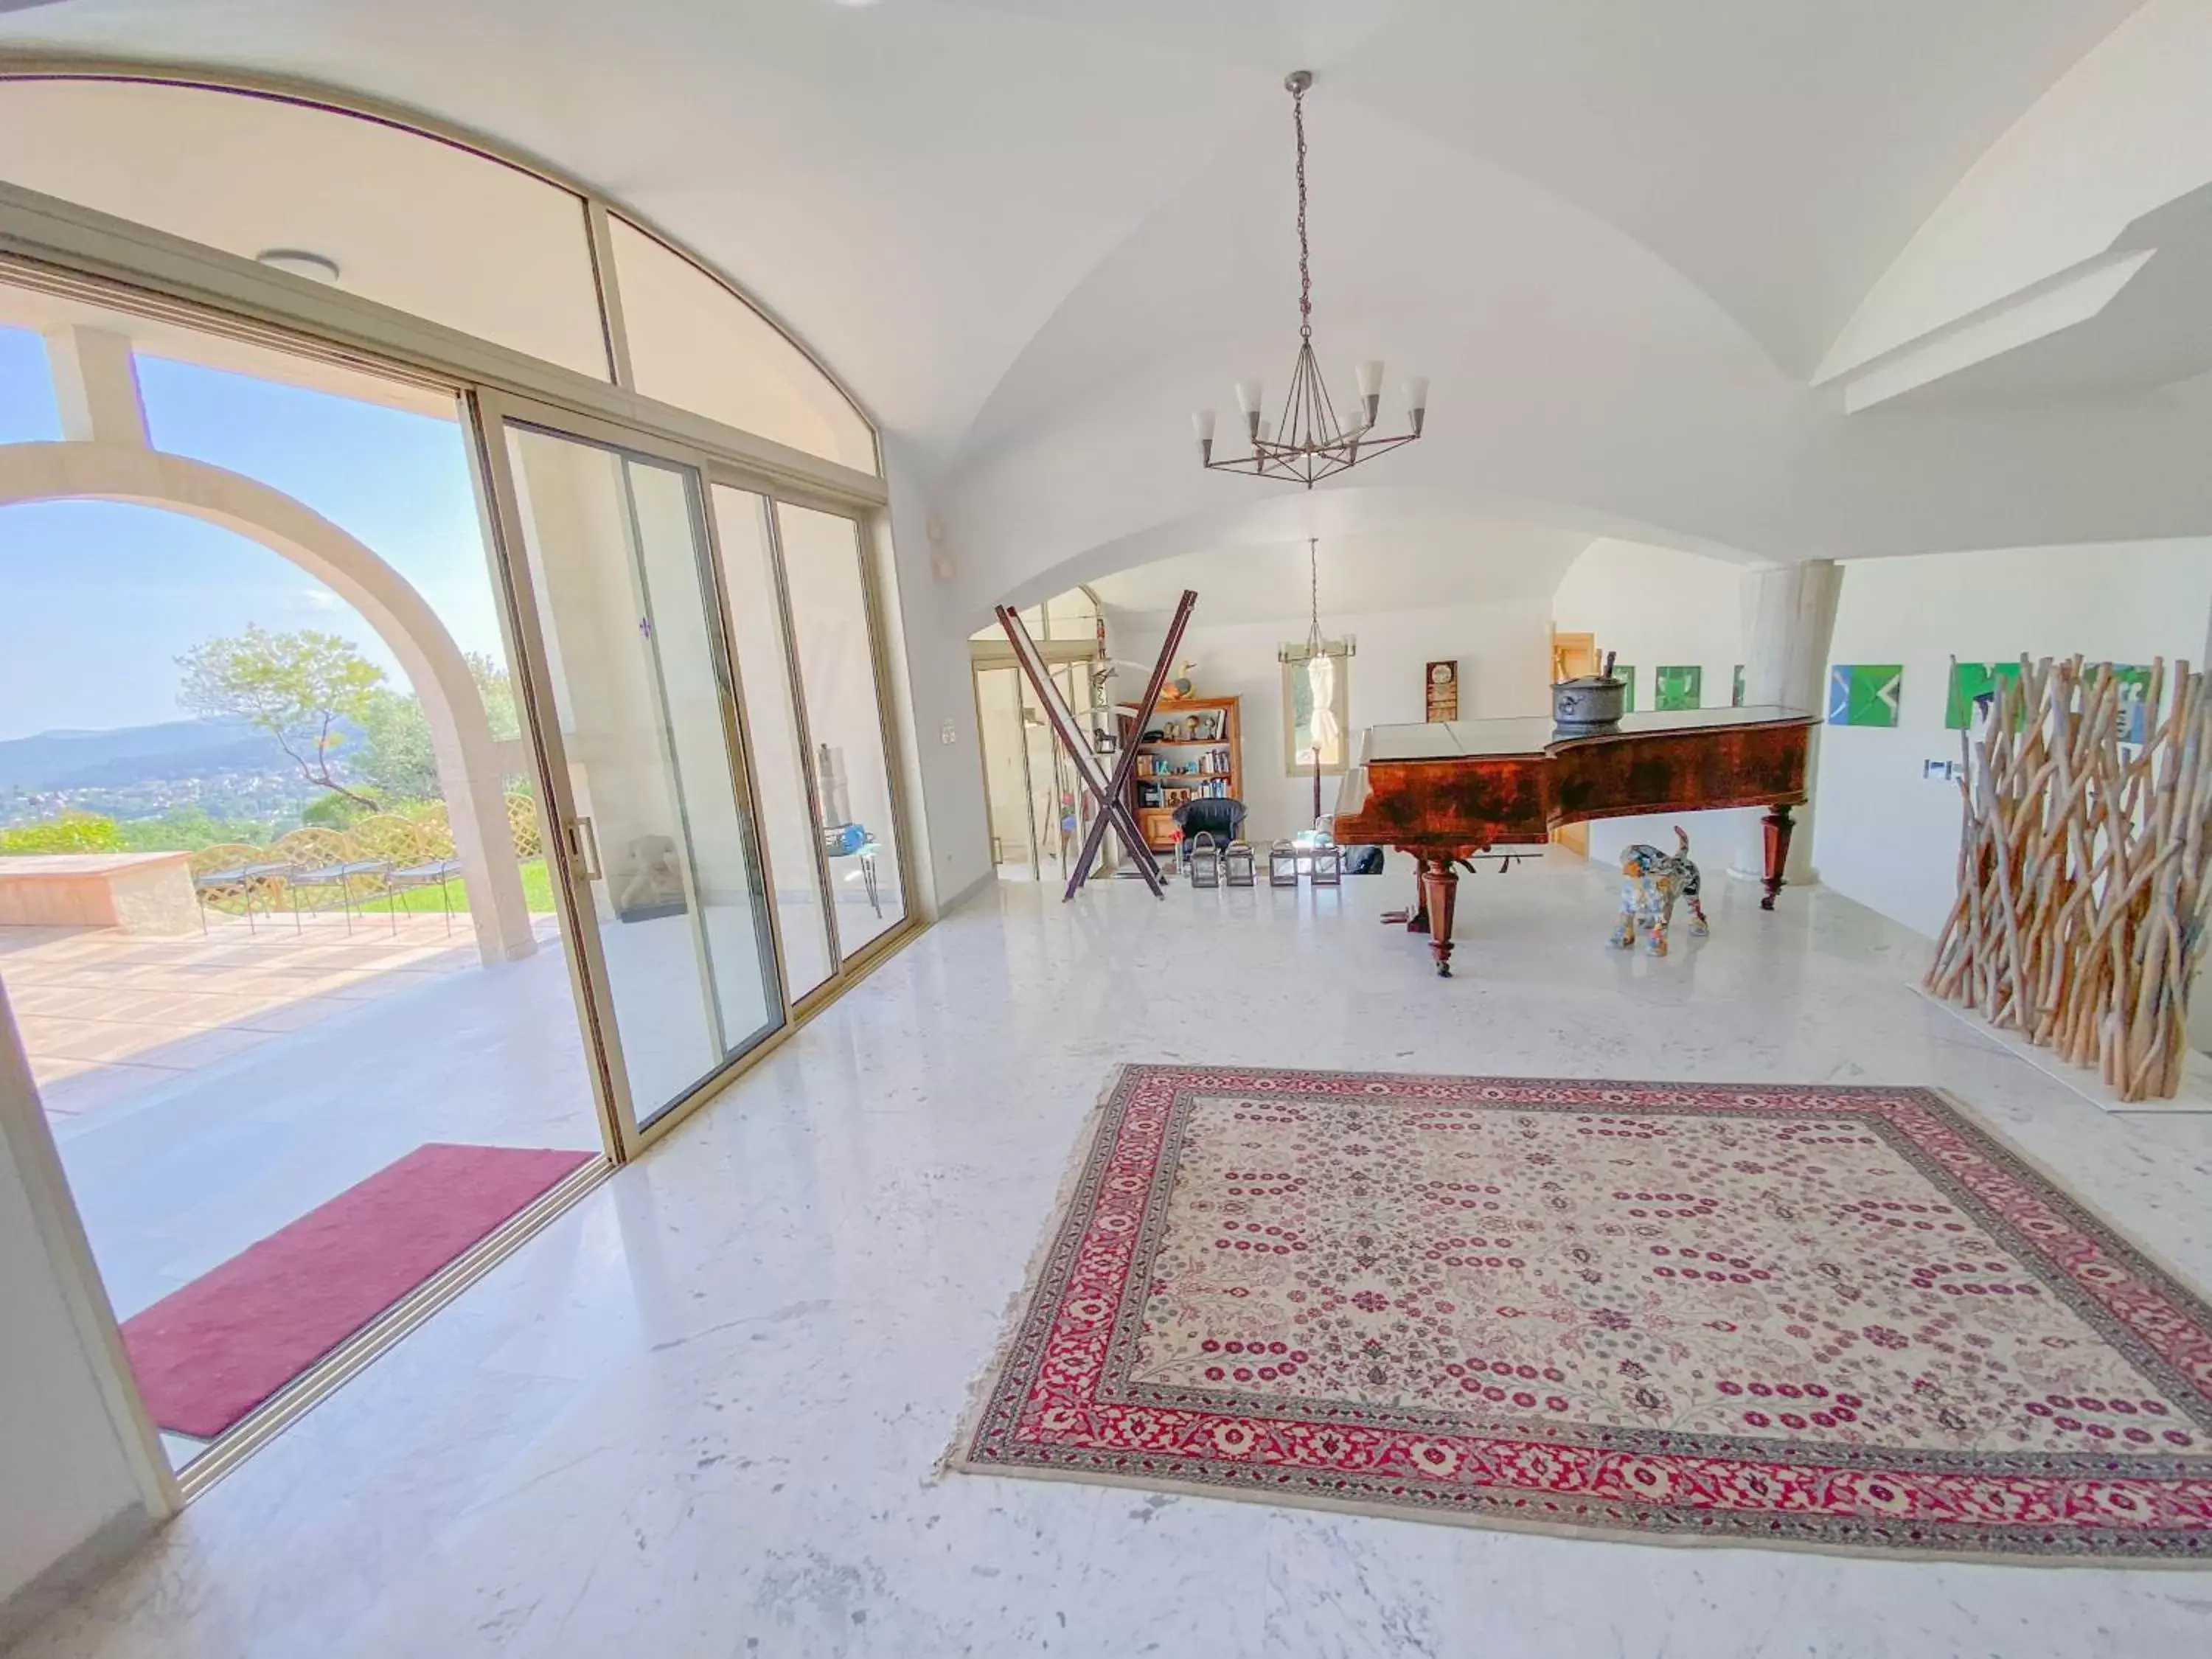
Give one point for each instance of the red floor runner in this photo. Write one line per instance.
(208, 1354)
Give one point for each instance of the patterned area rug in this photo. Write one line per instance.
(1841, 1318)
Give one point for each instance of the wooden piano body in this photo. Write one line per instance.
(1445, 791)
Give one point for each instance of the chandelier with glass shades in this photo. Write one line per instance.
(1309, 442)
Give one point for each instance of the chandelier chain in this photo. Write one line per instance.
(1308, 443)
(1313, 574)
(1305, 274)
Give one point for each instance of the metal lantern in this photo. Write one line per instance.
(1238, 864)
(1282, 865)
(1328, 866)
(1205, 861)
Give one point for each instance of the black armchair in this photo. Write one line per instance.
(1219, 818)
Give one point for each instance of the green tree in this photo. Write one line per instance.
(71, 832)
(186, 830)
(396, 755)
(297, 687)
(497, 687)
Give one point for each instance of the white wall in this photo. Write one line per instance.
(1655, 606)
(952, 841)
(1501, 647)
(1885, 836)
(69, 1498)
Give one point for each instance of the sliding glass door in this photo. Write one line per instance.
(704, 694)
(744, 525)
(843, 704)
(667, 897)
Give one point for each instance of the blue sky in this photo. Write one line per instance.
(97, 601)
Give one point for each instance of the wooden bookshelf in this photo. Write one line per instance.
(1215, 761)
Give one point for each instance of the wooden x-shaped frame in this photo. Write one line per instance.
(1112, 792)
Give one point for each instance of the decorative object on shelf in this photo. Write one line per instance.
(1440, 690)
(2080, 916)
(1650, 883)
(1182, 682)
(1204, 861)
(1282, 865)
(1238, 864)
(1315, 690)
(1115, 794)
(1864, 694)
(1309, 442)
(1678, 687)
(1588, 702)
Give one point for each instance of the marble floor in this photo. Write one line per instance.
(702, 1413)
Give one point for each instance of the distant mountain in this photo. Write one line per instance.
(137, 754)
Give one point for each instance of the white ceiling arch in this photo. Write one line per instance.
(1031, 234)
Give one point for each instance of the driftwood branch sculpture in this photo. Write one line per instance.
(2080, 921)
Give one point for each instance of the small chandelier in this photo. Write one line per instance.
(1309, 442)
(1315, 662)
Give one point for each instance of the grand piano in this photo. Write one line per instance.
(1447, 790)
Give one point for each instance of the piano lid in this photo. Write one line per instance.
(1532, 735)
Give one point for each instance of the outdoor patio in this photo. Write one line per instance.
(206, 1091)
(106, 1015)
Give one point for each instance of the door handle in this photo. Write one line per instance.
(584, 847)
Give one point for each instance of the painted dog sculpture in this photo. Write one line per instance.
(1651, 881)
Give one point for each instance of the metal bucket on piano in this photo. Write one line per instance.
(1587, 703)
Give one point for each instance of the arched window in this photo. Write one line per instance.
(429, 226)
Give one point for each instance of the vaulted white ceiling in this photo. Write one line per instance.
(1031, 234)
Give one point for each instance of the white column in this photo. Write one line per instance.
(1789, 618)
(96, 386)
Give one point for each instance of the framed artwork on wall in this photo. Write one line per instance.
(1864, 694)
(1735, 687)
(1678, 687)
(1974, 689)
(1627, 679)
(2136, 712)
(1440, 683)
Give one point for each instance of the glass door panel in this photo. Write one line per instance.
(756, 626)
(664, 855)
(844, 721)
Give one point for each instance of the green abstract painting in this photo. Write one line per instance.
(1864, 694)
(1972, 681)
(1677, 687)
(1735, 688)
(2136, 711)
(1627, 679)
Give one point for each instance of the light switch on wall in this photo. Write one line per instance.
(948, 734)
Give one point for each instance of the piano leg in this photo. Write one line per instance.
(1414, 918)
(1777, 826)
(1439, 889)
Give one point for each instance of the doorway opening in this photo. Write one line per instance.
(1039, 811)
(274, 891)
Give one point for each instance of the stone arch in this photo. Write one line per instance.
(468, 758)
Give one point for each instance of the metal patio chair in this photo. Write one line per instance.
(324, 858)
